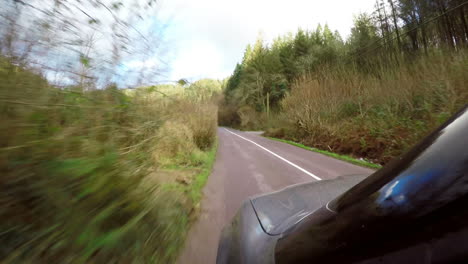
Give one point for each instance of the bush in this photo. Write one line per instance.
(228, 115)
(203, 126)
(345, 108)
(174, 142)
(75, 166)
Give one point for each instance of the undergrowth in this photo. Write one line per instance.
(349, 159)
(82, 172)
(375, 116)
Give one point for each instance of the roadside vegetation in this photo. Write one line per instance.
(360, 162)
(99, 176)
(95, 171)
(400, 74)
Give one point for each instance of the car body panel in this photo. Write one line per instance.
(279, 210)
(244, 240)
(252, 235)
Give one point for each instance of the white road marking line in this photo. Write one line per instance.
(276, 155)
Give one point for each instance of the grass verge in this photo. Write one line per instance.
(204, 163)
(188, 194)
(201, 178)
(349, 159)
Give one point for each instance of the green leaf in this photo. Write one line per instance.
(85, 60)
(93, 21)
(182, 82)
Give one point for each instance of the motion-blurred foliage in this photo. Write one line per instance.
(82, 175)
(90, 172)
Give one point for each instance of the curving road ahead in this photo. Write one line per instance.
(247, 165)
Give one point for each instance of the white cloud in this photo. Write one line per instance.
(211, 35)
(138, 65)
(197, 59)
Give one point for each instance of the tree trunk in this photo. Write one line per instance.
(421, 15)
(465, 27)
(268, 105)
(382, 29)
(424, 37)
(445, 21)
(395, 24)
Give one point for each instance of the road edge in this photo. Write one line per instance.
(202, 178)
(362, 163)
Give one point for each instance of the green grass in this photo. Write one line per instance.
(191, 193)
(200, 180)
(349, 159)
(203, 164)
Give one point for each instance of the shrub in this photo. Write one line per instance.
(203, 127)
(74, 168)
(228, 115)
(388, 111)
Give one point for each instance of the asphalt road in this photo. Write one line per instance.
(247, 165)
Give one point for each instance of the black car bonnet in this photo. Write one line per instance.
(279, 210)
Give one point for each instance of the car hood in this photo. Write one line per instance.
(280, 210)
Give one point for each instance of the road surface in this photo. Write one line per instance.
(248, 164)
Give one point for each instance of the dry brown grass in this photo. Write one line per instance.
(375, 116)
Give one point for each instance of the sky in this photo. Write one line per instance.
(208, 37)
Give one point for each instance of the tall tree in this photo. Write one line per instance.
(395, 22)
